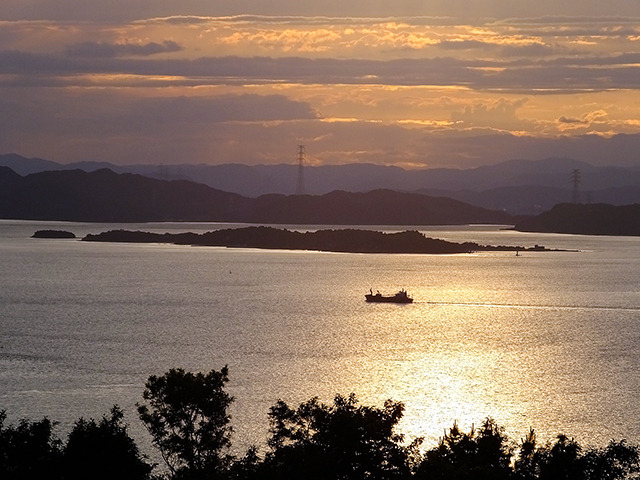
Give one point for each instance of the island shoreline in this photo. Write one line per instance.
(338, 241)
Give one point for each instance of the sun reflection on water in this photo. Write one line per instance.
(546, 340)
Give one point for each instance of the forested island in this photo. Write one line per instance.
(342, 240)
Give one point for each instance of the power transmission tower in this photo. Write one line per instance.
(575, 180)
(300, 190)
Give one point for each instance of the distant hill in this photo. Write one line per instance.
(592, 219)
(25, 166)
(520, 200)
(105, 196)
(517, 186)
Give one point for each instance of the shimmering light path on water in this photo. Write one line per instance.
(545, 340)
(555, 307)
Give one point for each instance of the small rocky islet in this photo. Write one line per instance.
(53, 234)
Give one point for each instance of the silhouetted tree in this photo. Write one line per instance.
(29, 450)
(618, 460)
(340, 441)
(560, 461)
(526, 465)
(103, 450)
(188, 419)
(480, 454)
(564, 460)
(246, 467)
(187, 415)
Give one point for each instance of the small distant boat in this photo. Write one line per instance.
(401, 297)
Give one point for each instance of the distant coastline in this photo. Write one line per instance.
(343, 240)
(586, 219)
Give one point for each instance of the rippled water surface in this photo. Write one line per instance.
(548, 340)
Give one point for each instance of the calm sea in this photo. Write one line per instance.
(548, 340)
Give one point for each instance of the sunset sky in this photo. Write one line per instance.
(413, 83)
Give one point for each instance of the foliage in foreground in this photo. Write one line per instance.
(187, 417)
(98, 450)
(342, 440)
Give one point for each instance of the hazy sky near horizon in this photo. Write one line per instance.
(414, 83)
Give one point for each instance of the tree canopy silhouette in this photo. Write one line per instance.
(29, 450)
(344, 440)
(187, 417)
(565, 459)
(480, 454)
(103, 451)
